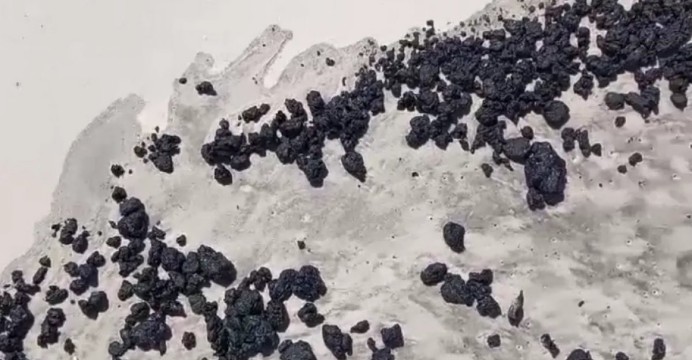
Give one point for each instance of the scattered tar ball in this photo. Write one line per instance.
(254, 113)
(455, 291)
(181, 240)
(45, 261)
(140, 151)
(162, 151)
(126, 290)
(433, 274)
(679, 100)
(556, 114)
(582, 137)
(620, 121)
(189, 340)
(277, 315)
(54, 320)
(621, 356)
(222, 175)
(17, 276)
(330, 62)
(414, 174)
(569, 136)
(81, 243)
(119, 194)
(546, 176)
(516, 311)
(615, 101)
(96, 259)
(40, 275)
(281, 289)
(487, 170)
(527, 132)
(354, 165)
(309, 315)
(338, 343)
(579, 354)
(205, 88)
(392, 337)
(308, 284)
(488, 306)
(117, 170)
(69, 346)
(659, 350)
(71, 268)
(453, 235)
(68, 231)
(299, 350)
(548, 343)
(182, 80)
(494, 341)
(622, 169)
(55, 228)
(360, 327)
(596, 149)
(114, 241)
(517, 149)
(95, 304)
(79, 286)
(116, 350)
(301, 244)
(581, 303)
(55, 295)
(485, 277)
(635, 159)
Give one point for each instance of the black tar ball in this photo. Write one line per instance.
(453, 235)
(433, 274)
(392, 337)
(360, 327)
(119, 194)
(579, 354)
(621, 356)
(205, 88)
(659, 350)
(222, 175)
(493, 341)
(556, 114)
(117, 170)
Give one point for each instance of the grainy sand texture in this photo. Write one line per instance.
(619, 243)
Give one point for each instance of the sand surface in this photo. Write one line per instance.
(620, 243)
(70, 60)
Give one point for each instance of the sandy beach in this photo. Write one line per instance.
(607, 270)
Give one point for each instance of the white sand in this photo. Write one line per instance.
(623, 248)
(72, 58)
